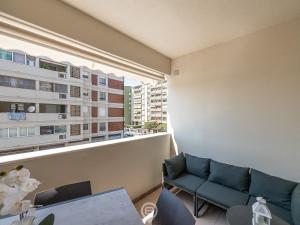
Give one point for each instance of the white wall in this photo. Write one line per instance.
(132, 163)
(239, 102)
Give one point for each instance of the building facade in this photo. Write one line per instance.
(150, 103)
(128, 99)
(46, 104)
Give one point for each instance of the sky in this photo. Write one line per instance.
(9, 43)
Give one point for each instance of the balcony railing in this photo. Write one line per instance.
(17, 116)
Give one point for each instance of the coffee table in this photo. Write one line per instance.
(242, 215)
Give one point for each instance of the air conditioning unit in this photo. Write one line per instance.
(62, 136)
(62, 116)
(62, 75)
(62, 96)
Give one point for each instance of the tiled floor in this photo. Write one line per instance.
(211, 215)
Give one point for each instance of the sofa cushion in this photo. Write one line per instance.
(222, 195)
(230, 176)
(276, 210)
(188, 182)
(197, 166)
(296, 205)
(275, 190)
(175, 166)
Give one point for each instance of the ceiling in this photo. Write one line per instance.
(178, 27)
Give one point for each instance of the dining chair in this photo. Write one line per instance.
(63, 193)
(170, 210)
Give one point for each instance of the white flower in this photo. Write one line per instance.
(13, 206)
(4, 190)
(29, 185)
(26, 221)
(15, 177)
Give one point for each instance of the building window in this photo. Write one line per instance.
(75, 72)
(102, 81)
(94, 111)
(31, 131)
(103, 96)
(5, 55)
(102, 112)
(94, 96)
(15, 82)
(94, 128)
(19, 58)
(23, 131)
(75, 110)
(85, 126)
(61, 88)
(75, 91)
(46, 86)
(30, 60)
(60, 129)
(114, 136)
(75, 129)
(46, 130)
(94, 79)
(98, 139)
(13, 132)
(3, 132)
(102, 127)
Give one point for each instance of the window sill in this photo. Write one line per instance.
(64, 150)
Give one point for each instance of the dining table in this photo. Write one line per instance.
(107, 208)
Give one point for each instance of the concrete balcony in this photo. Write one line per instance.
(36, 117)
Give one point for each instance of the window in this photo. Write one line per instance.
(94, 111)
(46, 130)
(94, 79)
(31, 131)
(114, 136)
(3, 132)
(75, 91)
(75, 129)
(5, 55)
(19, 58)
(46, 86)
(94, 128)
(103, 96)
(102, 81)
(98, 139)
(60, 129)
(15, 82)
(94, 96)
(23, 131)
(102, 112)
(61, 88)
(75, 72)
(85, 126)
(75, 110)
(13, 132)
(102, 127)
(30, 60)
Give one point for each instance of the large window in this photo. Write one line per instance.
(72, 100)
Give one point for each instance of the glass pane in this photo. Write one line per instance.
(3, 132)
(31, 131)
(60, 129)
(19, 58)
(23, 131)
(5, 55)
(30, 60)
(61, 88)
(102, 112)
(13, 132)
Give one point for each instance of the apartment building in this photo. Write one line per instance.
(150, 103)
(51, 104)
(128, 99)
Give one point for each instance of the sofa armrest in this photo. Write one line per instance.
(296, 205)
(164, 170)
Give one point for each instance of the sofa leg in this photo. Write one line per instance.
(199, 207)
(195, 205)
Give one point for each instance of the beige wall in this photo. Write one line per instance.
(239, 102)
(59, 17)
(134, 165)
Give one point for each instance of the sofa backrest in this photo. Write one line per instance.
(197, 166)
(228, 175)
(175, 166)
(274, 189)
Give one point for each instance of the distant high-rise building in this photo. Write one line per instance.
(150, 103)
(46, 104)
(128, 105)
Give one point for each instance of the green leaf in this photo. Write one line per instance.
(49, 220)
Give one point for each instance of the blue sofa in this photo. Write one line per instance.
(227, 185)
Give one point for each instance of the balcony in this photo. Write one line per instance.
(32, 117)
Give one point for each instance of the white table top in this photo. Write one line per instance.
(109, 208)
